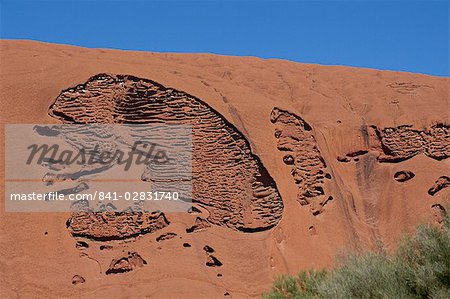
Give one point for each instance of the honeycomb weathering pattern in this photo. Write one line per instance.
(228, 179)
(404, 142)
(108, 226)
(308, 168)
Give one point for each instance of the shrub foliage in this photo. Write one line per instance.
(420, 268)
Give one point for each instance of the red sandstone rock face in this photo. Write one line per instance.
(375, 142)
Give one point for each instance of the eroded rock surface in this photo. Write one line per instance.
(126, 264)
(199, 225)
(397, 144)
(441, 183)
(212, 261)
(228, 179)
(308, 168)
(409, 88)
(167, 236)
(107, 226)
(403, 176)
(77, 279)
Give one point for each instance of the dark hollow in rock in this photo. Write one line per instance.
(126, 264)
(187, 245)
(212, 261)
(357, 153)
(403, 176)
(314, 191)
(277, 134)
(194, 210)
(208, 249)
(166, 237)
(438, 207)
(200, 224)
(288, 160)
(440, 184)
(330, 198)
(343, 159)
(77, 279)
(81, 244)
(316, 212)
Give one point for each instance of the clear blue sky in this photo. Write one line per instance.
(395, 35)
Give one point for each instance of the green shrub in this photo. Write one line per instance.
(420, 268)
(303, 286)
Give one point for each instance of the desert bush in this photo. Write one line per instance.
(420, 268)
